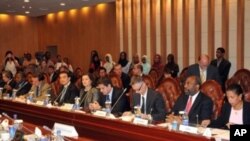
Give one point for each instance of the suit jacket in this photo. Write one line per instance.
(125, 80)
(223, 69)
(69, 96)
(44, 89)
(23, 88)
(122, 104)
(223, 119)
(202, 107)
(155, 104)
(212, 72)
(88, 97)
(12, 84)
(53, 77)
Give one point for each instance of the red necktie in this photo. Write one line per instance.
(189, 104)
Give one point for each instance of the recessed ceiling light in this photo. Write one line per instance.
(23, 7)
(27, 12)
(26, 0)
(62, 4)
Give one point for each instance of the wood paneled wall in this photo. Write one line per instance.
(75, 32)
(186, 28)
(17, 33)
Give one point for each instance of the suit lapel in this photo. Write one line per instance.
(196, 102)
(149, 100)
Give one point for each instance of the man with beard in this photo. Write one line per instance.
(194, 103)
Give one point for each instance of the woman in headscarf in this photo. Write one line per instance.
(124, 62)
(145, 64)
(109, 64)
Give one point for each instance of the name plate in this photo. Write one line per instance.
(66, 106)
(66, 130)
(207, 132)
(140, 121)
(40, 103)
(100, 113)
(188, 129)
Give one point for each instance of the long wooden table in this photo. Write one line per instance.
(92, 127)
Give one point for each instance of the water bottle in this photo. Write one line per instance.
(15, 116)
(59, 137)
(185, 120)
(77, 103)
(12, 131)
(14, 94)
(108, 107)
(175, 125)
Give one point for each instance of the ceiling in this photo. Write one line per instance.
(36, 8)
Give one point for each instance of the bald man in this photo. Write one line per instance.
(204, 70)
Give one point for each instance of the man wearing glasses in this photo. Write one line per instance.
(150, 102)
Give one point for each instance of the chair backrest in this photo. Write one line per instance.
(116, 80)
(154, 75)
(241, 77)
(213, 89)
(182, 78)
(170, 90)
(149, 81)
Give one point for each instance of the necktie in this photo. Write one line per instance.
(107, 98)
(203, 77)
(63, 93)
(37, 91)
(189, 105)
(143, 105)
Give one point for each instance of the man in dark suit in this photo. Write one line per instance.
(124, 77)
(69, 91)
(151, 102)
(52, 74)
(222, 64)
(9, 83)
(112, 94)
(198, 106)
(22, 86)
(203, 70)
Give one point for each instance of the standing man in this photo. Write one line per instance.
(203, 70)
(222, 64)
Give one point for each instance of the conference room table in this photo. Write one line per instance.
(90, 127)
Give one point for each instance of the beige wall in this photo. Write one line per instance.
(186, 28)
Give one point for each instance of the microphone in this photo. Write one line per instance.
(12, 120)
(118, 99)
(197, 119)
(83, 99)
(54, 102)
(51, 131)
